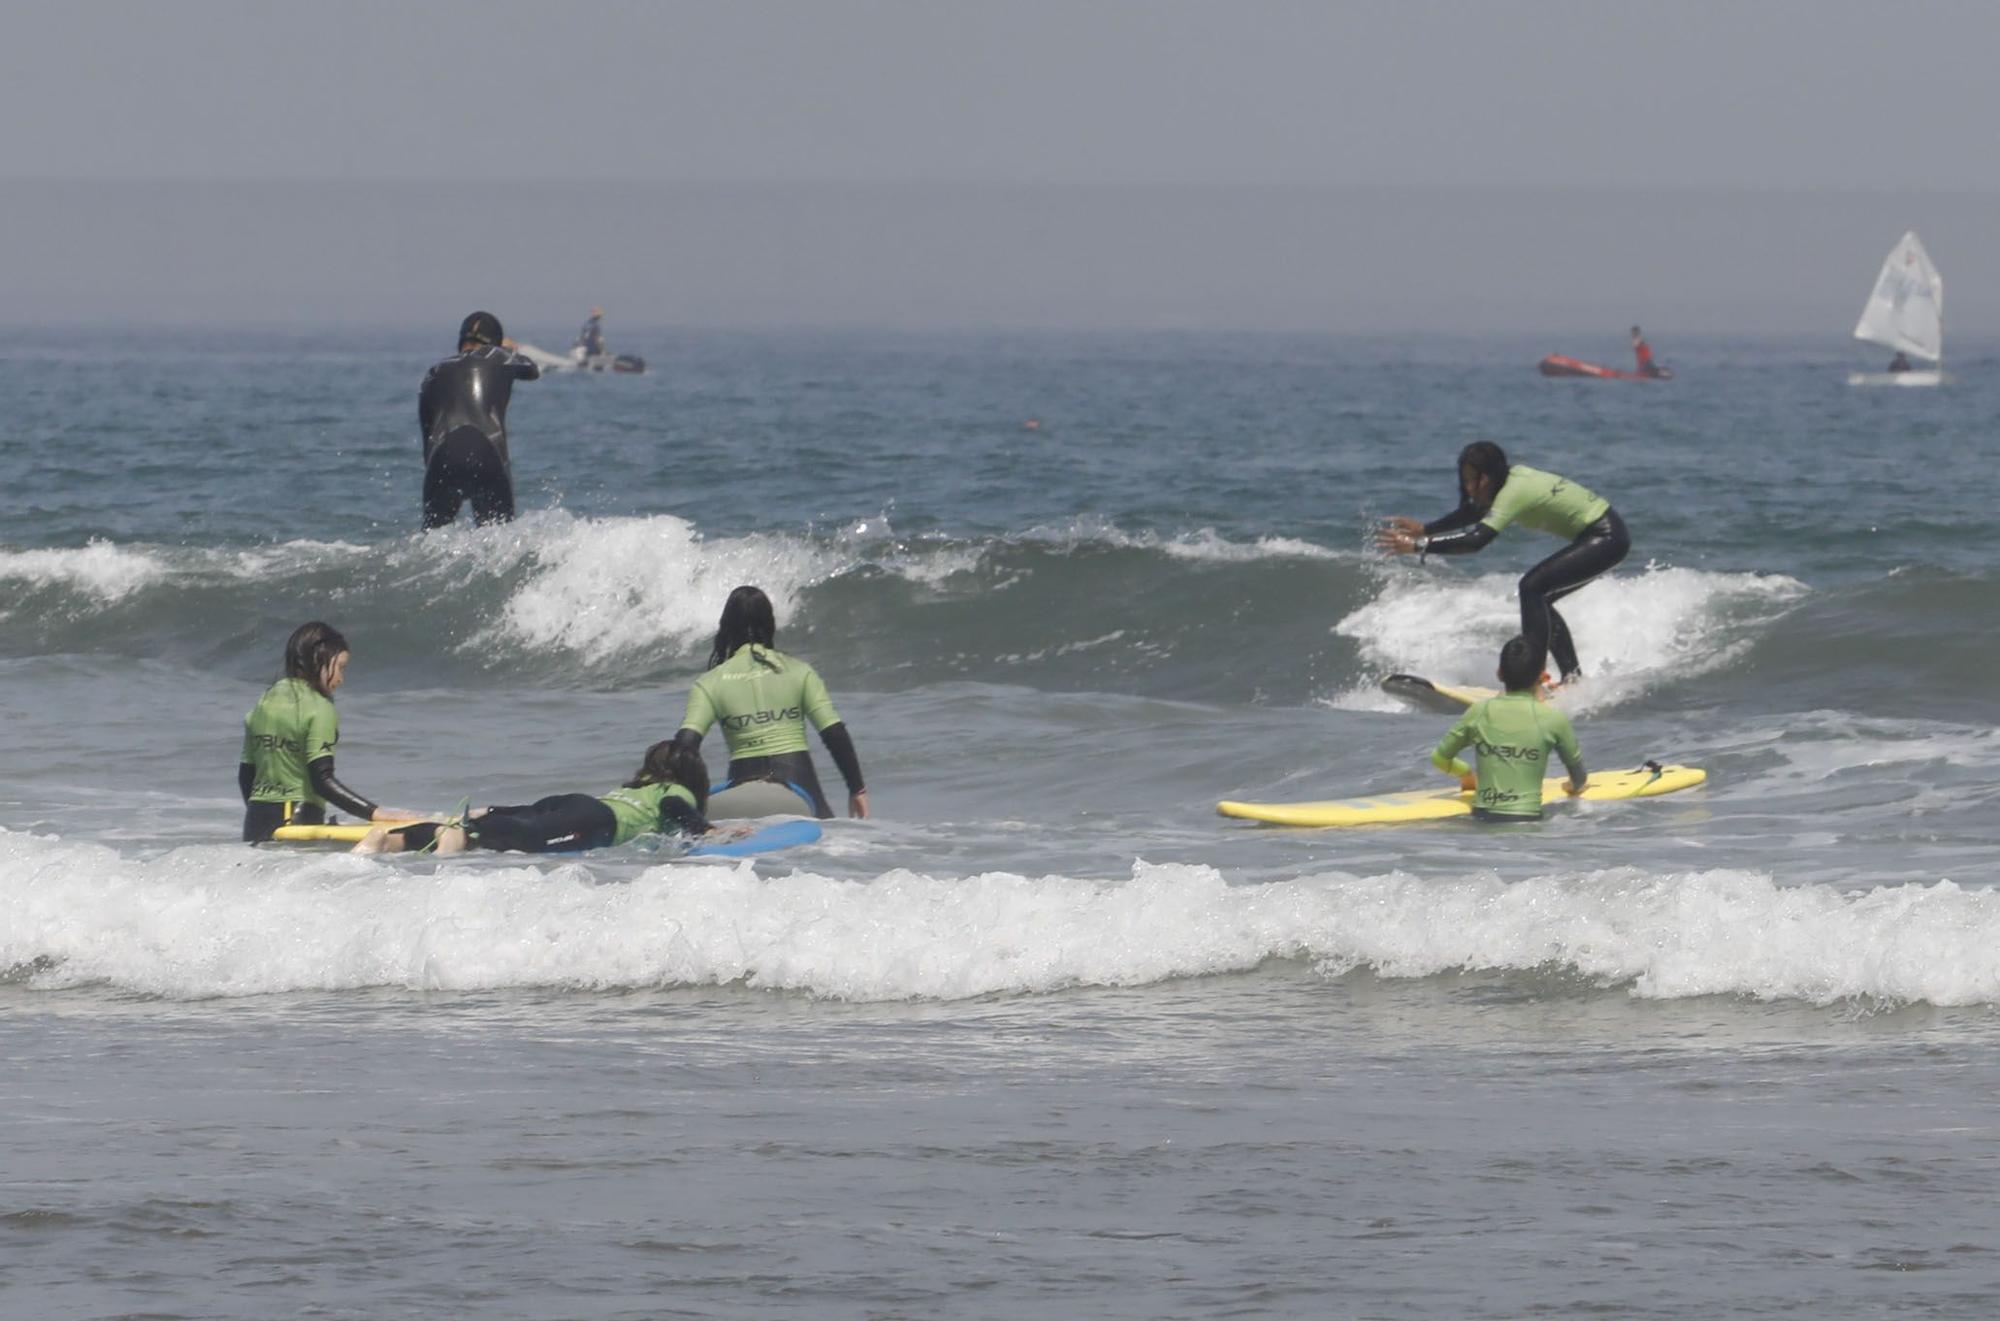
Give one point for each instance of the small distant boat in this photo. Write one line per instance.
(1905, 312)
(576, 360)
(1557, 364)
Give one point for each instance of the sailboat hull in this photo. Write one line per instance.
(1560, 364)
(1896, 378)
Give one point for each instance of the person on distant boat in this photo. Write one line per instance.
(591, 338)
(665, 796)
(286, 771)
(462, 409)
(1514, 735)
(1493, 493)
(1900, 363)
(763, 698)
(1643, 353)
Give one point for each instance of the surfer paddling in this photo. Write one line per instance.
(1513, 735)
(462, 408)
(1493, 493)
(665, 796)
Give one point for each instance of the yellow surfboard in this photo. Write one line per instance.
(345, 832)
(1427, 695)
(1648, 781)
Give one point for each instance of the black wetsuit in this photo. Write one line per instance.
(462, 408)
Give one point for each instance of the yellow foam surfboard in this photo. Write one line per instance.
(1428, 695)
(345, 832)
(1438, 804)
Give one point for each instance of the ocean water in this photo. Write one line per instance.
(1046, 1036)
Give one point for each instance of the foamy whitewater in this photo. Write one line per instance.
(1046, 1036)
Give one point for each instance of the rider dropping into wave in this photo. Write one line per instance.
(1493, 493)
(462, 408)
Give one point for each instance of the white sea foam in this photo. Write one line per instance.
(100, 568)
(600, 588)
(213, 921)
(1631, 629)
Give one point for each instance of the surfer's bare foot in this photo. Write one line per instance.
(375, 841)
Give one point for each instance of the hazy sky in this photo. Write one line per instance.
(1479, 128)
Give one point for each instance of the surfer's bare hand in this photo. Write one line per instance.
(1398, 540)
(1469, 783)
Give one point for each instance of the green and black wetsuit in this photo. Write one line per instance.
(286, 770)
(570, 823)
(763, 698)
(1513, 735)
(1560, 507)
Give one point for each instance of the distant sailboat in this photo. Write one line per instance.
(1905, 312)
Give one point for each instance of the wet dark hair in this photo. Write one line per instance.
(1485, 458)
(1521, 664)
(309, 650)
(672, 762)
(746, 617)
(481, 328)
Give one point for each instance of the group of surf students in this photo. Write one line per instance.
(762, 698)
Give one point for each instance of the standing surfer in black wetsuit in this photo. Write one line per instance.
(462, 408)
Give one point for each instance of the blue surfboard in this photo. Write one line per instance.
(784, 835)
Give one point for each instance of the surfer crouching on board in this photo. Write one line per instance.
(1513, 735)
(462, 408)
(1493, 493)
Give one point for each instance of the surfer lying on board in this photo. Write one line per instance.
(462, 409)
(1493, 493)
(763, 698)
(1513, 735)
(665, 796)
(286, 771)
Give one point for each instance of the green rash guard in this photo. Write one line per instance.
(638, 810)
(1513, 734)
(1545, 502)
(292, 725)
(763, 699)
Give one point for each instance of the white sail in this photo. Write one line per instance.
(1906, 310)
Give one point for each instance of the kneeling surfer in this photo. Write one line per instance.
(1513, 735)
(462, 408)
(1493, 493)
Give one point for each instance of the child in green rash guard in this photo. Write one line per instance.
(665, 796)
(1513, 734)
(1493, 493)
(763, 698)
(286, 771)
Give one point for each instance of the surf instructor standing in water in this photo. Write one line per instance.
(1493, 493)
(462, 408)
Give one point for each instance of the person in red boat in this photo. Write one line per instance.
(1643, 352)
